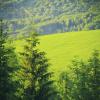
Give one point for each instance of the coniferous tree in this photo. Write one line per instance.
(36, 75)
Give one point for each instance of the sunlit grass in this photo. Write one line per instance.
(61, 48)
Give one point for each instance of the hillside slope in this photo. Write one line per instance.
(61, 48)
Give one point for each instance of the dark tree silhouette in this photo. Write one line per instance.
(6, 84)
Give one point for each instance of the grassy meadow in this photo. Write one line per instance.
(62, 48)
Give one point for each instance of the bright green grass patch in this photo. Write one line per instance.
(61, 48)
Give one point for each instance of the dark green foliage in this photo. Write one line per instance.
(36, 74)
(6, 84)
(80, 81)
(4, 68)
(83, 83)
(94, 76)
(87, 78)
(65, 86)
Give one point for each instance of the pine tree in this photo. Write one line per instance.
(39, 86)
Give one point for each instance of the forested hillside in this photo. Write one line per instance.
(51, 16)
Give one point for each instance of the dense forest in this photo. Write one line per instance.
(51, 16)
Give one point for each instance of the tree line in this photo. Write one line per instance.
(29, 79)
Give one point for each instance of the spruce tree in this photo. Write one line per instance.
(37, 78)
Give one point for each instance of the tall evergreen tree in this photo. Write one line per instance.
(39, 86)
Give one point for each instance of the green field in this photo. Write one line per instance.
(61, 48)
